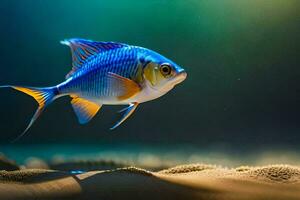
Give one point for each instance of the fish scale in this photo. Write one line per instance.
(83, 82)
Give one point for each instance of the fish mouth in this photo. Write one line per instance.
(181, 76)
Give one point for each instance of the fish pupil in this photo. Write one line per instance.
(165, 70)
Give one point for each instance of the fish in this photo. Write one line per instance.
(108, 73)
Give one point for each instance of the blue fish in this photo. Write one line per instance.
(108, 73)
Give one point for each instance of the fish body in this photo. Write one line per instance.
(109, 73)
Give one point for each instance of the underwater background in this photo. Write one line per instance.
(241, 97)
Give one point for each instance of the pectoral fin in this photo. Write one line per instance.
(128, 111)
(124, 87)
(84, 109)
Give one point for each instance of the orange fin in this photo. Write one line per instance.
(38, 95)
(84, 109)
(44, 96)
(128, 87)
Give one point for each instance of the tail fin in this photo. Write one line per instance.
(44, 96)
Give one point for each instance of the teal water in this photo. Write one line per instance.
(241, 97)
(149, 156)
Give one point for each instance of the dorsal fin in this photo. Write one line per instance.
(82, 50)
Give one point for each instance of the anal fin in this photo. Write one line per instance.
(84, 109)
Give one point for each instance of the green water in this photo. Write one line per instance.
(241, 94)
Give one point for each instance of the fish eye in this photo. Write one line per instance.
(165, 69)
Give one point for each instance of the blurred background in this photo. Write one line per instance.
(240, 102)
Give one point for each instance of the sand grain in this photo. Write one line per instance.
(197, 181)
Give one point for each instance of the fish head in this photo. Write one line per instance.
(162, 73)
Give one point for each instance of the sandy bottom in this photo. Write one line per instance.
(197, 181)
